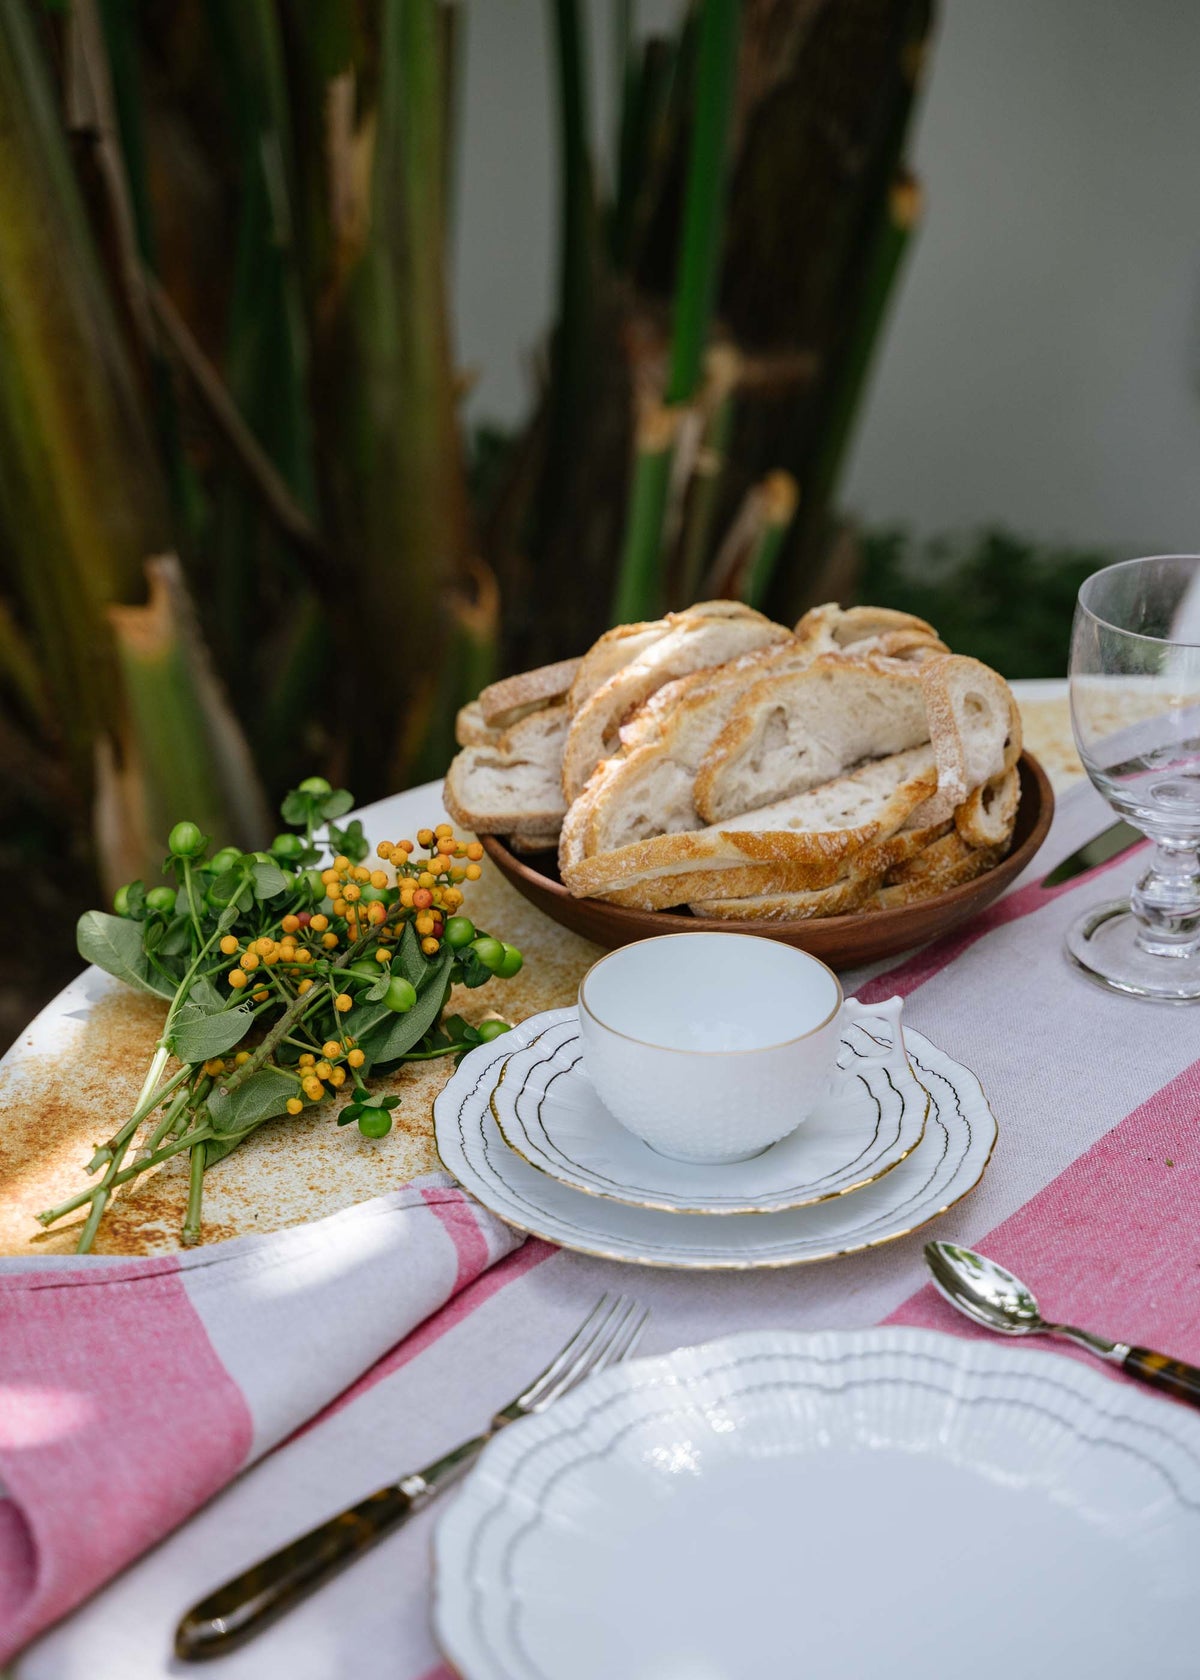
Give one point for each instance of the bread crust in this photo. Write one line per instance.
(987, 815)
(528, 752)
(501, 704)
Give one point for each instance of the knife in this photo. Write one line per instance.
(1099, 849)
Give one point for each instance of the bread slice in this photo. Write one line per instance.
(526, 843)
(986, 817)
(843, 898)
(741, 881)
(614, 650)
(514, 785)
(832, 627)
(816, 832)
(705, 635)
(471, 731)
(504, 703)
(949, 862)
(970, 711)
(793, 732)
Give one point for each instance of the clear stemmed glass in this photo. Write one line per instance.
(1135, 708)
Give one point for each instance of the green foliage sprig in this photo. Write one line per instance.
(287, 983)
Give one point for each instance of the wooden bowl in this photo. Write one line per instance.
(841, 941)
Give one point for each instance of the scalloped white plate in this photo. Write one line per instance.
(960, 1133)
(873, 1505)
(549, 1113)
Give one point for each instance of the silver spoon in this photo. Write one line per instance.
(997, 1300)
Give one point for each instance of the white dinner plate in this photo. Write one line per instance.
(549, 1112)
(870, 1505)
(960, 1133)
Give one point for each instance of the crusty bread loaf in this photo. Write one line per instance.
(986, 816)
(816, 832)
(795, 731)
(706, 635)
(512, 786)
(506, 702)
(831, 627)
(470, 730)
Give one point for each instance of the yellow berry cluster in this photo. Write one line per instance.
(217, 1065)
(319, 1075)
(431, 887)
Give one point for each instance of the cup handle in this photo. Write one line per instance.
(857, 1013)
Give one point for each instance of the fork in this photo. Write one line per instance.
(252, 1600)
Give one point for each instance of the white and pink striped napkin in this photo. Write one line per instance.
(1092, 1195)
(132, 1391)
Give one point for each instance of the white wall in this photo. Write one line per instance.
(1042, 366)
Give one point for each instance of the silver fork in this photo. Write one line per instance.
(237, 1611)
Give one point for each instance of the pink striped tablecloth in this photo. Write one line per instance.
(1092, 1195)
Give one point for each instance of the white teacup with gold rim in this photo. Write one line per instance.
(710, 1047)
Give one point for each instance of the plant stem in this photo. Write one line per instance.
(638, 581)
(708, 168)
(190, 1235)
(278, 1032)
(779, 498)
(200, 1135)
(146, 1105)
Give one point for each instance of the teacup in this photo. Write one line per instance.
(710, 1047)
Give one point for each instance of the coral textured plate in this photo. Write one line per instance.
(841, 941)
(549, 1113)
(851, 1505)
(949, 1161)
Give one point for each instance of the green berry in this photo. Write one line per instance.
(512, 963)
(365, 969)
(185, 840)
(311, 883)
(400, 995)
(459, 932)
(489, 951)
(224, 859)
(161, 899)
(121, 901)
(286, 846)
(316, 785)
(488, 1030)
(374, 1122)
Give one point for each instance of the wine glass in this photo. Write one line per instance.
(1135, 710)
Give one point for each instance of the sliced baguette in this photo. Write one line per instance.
(949, 862)
(747, 880)
(506, 702)
(512, 786)
(832, 626)
(986, 816)
(792, 732)
(970, 711)
(470, 730)
(843, 898)
(706, 635)
(525, 843)
(816, 832)
(614, 650)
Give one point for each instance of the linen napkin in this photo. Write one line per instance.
(131, 1391)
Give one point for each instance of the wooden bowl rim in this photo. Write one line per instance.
(994, 881)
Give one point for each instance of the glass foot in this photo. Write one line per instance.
(1103, 944)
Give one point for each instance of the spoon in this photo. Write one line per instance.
(997, 1300)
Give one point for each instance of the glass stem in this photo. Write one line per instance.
(1166, 901)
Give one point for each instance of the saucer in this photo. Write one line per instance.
(951, 1158)
(548, 1111)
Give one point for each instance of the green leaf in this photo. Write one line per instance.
(177, 939)
(337, 804)
(351, 840)
(199, 1034)
(205, 995)
(269, 880)
(413, 965)
(390, 1040)
(115, 945)
(295, 808)
(261, 1097)
(379, 989)
(472, 972)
